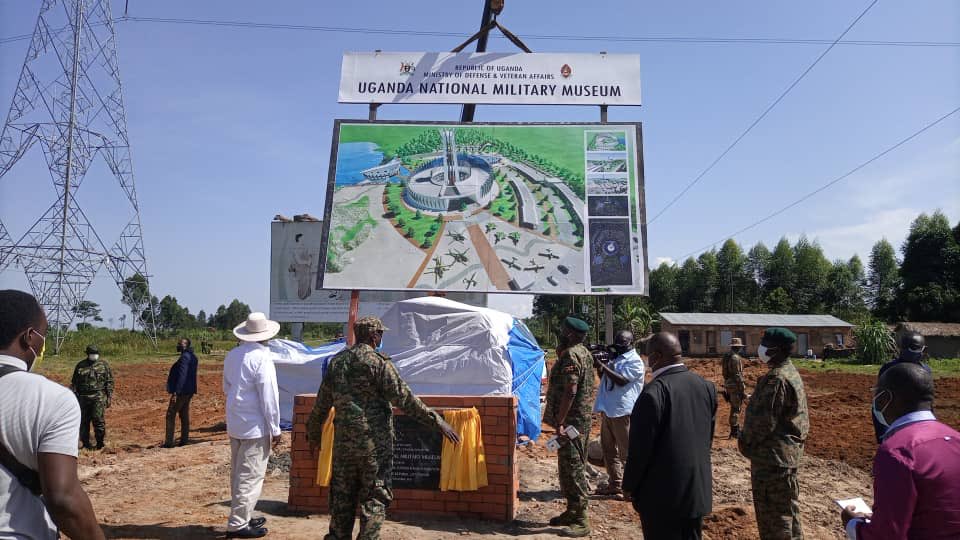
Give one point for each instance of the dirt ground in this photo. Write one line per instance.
(140, 490)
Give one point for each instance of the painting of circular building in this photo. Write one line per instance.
(455, 181)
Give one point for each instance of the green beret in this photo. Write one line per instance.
(780, 335)
(574, 323)
(92, 349)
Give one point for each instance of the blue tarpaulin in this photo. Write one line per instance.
(526, 359)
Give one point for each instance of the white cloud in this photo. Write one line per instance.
(660, 260)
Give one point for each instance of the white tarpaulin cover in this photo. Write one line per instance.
(442, 347)
(299, 370)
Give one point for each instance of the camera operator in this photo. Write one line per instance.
(621, 380)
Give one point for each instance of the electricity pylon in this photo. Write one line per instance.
(69, 101)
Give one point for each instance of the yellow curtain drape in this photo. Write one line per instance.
(325, 461)
(463, 467)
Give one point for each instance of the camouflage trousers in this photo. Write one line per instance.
(92, 410)
(571, 470)
(737, 394)
(358, 479)
(776, 501)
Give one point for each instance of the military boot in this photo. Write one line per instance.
(566, 518)
(734, 432)
(579, 528)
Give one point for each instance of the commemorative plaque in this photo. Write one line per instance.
(416, 454)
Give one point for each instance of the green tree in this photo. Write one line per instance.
(781, 269)
(778, 301)
(201, 318)
(707, 283)
(734, 284)
(883, 281)
(664, 287)
(87, 309)
(135, 293)
(634, 313)
(928, 271)
(812, 270)
(173, 316)
(843, 295)
(228, 317)
(687, 280)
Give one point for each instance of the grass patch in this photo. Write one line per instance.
(946, 367)
(421, 228)
(388, 138)
(505, 205)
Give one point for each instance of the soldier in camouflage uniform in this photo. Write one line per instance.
(92, 382)
(734, 388)
(774, 430)
(569, 403)
(362, 384)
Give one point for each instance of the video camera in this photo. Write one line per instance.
(602, 353)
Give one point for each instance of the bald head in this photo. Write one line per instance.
(664, 350)
(911, 385)
(624, 338)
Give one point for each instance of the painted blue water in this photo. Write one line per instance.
(355, 157)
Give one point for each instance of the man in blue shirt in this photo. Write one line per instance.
(621, 380)
(181, 385)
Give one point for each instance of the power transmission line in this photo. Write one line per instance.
(545, 37)
(776, 213)
(763, 115)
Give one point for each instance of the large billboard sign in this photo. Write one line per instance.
(531, 208)
(490, 78)
(295, 257)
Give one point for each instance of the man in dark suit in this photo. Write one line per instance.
(668, 470)
(181, 385)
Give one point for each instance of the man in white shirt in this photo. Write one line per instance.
(253, 420)
(621, 381)
(39, 422)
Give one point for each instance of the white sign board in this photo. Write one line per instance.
(490, 78)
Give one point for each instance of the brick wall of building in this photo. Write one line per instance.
(497, 501)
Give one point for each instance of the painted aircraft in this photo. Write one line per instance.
(470, 281)
(497, 237)
(490, 227)
(534, 266)
(458, 256)
(515, 236)
(512, 263)
(549, 254)
(438, 269)
(456, 236)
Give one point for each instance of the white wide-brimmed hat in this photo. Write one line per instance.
(256, 328)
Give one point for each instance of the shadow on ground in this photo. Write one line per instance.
(269, 507)
(160, 530)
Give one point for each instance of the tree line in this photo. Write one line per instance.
(923, 284)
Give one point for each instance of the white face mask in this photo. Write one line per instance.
(878, 413)
(762, 353)
(93, 357)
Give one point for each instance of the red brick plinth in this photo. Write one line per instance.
(497, 501)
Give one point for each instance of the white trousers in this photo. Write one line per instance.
(248, 465)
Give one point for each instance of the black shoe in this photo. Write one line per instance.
(99, 446)
(248, 532)
(256, 523)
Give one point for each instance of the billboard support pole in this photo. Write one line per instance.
(607, 299)
(352, 317)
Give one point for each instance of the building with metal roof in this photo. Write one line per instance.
(703, 334)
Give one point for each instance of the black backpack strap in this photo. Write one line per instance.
(26, 476)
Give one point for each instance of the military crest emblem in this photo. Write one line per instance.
(566, 70)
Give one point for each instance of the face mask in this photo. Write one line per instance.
(93, 357)
(38, 357)
(762, 353)
(878, 413)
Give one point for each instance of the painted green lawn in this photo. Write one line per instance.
(562, 145)
(505, 205)
(350, 232)
(420, 229)
(387, 137)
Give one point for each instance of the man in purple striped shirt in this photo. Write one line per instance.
(916, 486)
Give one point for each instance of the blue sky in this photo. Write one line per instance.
(231, 126)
